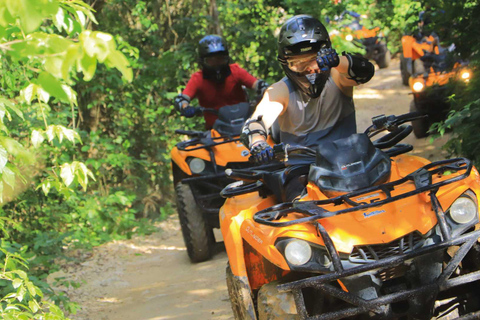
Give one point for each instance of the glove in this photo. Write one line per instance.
(327, 58)
(261, 152)
(189, 111)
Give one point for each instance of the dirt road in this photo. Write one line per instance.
(152, 278)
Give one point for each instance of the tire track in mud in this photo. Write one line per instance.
(152, 278)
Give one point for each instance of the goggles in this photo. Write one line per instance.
(215, 61)
(302, 63)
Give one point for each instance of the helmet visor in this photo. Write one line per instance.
(302, 63)
(216, 61)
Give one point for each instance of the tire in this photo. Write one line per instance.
(197, 234)
(241, 297)
(418, 67)
(384, 60)
(420, 127)
(275, 305)
(404, 71)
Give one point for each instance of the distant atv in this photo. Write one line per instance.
(430, 95)
(373, 232)
(413, 48)
(373, 41)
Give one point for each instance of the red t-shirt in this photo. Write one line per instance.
(214, 95)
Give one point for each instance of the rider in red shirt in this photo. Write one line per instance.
(218, 84)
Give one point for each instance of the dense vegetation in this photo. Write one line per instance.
(68, 121)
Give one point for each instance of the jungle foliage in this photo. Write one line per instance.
(84, 149)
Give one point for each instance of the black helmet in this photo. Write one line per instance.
(299, 35)
(213, 47)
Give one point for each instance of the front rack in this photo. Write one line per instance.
(421, 177)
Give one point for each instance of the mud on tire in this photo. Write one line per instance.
(197, 234)
(275, 305)
(240, 297)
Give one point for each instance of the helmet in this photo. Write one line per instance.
(214, 58)
(303, 34)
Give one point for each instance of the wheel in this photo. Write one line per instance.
(240, 297)
(384, 60)
(273, 305)
(403, 70)
(420, 126)
(197, 234)
(418, 67)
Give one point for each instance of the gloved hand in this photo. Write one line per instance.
(261, 152)
(189, 111)
(327, 58)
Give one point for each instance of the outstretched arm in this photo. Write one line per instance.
(352, 71)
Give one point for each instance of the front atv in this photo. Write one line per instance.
(376, 233)
(198, 167)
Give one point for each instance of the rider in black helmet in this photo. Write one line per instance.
(214, 58)
(313, 102)
(219, 83)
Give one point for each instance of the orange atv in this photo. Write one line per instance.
(373, 41)
(372, 233)
(198, 167)
(413, 48)
(430, 93)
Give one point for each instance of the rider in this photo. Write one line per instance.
(314, 101)
(218, 83)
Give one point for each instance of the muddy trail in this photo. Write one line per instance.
(152, 278)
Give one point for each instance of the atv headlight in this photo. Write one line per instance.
(197, 165)
(418, 86)
(298, 252)
(463, 210)
(465, 75)
(349, 37)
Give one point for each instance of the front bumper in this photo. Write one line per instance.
(426, 291)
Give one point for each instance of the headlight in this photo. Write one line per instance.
(298, 252)
(466, 75)
(463, 210)
(197, 165)
(418, 86)
(349, 37)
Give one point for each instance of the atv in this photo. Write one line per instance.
(430, 90)
(198, 167)
(371, 233)
(413, 48)
(373, 41)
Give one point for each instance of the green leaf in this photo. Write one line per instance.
(32, 12)
(29, 93)
(97, 44)
(37, 138)
(118, 60)
(33, 306)
(31, 288)
(88, 66)
(8, 176)
(3, 158)
(52, 86)
(67, 174)
(17, 283)
(21, 293)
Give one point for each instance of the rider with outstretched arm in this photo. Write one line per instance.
(313, 103)
(218, 84)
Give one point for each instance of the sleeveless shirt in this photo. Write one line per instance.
(308, 121)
